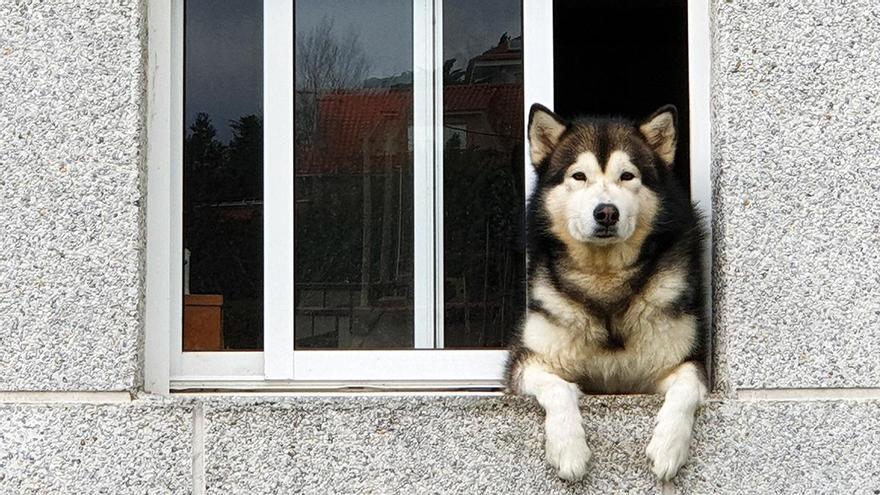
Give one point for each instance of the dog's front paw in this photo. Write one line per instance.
(570, 456)
(567, 451)
(668, 448)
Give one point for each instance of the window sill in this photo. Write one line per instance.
(286, 388)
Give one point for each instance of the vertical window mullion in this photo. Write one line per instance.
(700, 135)
(176, 203)
(537, 68)
(164, 353)
(278, 188)
(424, 222)
(439, 297)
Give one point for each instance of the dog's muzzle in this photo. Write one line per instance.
(606, 216)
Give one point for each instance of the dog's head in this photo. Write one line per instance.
(599, 178)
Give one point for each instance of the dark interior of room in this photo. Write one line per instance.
(625, 58)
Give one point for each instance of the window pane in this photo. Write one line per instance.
(222, 175)
(483, 176)
(353, 174)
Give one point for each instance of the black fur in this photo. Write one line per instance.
(676, 237)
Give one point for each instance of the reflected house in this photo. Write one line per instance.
(500, 64)
(354, 259)
(484, 262)
(484, 110)
(355, 271)
(483, 116)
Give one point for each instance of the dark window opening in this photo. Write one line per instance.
(623, 58)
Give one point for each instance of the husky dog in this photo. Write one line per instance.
(615, 288)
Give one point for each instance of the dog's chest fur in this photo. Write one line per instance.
(599, 331)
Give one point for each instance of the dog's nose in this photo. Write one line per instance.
(606, 214)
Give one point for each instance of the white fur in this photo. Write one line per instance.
(665, 287)
(565, 440)
(569, 349)
(668, 448)
(579, 198)
(574, 347)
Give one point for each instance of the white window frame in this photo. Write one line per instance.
(280, 366)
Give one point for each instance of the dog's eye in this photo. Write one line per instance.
(579, 176)
(627, 176)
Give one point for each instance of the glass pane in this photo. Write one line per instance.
(483, 176)
(353, 174)
(223, 175)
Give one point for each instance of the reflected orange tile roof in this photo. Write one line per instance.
(349, 121)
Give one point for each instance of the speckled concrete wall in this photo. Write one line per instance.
(415, 445)
(796, 123)
(143, 447)
(448, 445)
(71, 125)
(495, 446)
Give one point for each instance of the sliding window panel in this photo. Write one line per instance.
(483, 172)
(353, 174)
(223, 176)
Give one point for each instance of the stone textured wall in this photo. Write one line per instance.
(490, 445)
(796, 122)
(495, 446)
(140, 447)
(71, 126)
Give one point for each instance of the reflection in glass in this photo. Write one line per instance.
(222, 176)
(353, 174)
(483, 179)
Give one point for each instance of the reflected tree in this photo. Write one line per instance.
(245, 158)
(451, 75)
(325, 62)
(222, 222)
(203, 154)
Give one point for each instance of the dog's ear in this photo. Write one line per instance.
(545, 129)
(661, 132)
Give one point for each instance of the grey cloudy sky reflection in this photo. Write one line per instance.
(384, 28)
(223, 49)
(471, 27)
(223, 54)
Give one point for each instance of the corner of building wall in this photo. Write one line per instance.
(721, 379)
(143, 29)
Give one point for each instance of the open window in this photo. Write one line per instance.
(341, 196)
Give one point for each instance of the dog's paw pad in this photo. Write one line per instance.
(570, 456)
(668, 450)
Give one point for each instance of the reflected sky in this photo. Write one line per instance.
(473, 26)
(223, 59)
(386, 39)
(223, 51)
